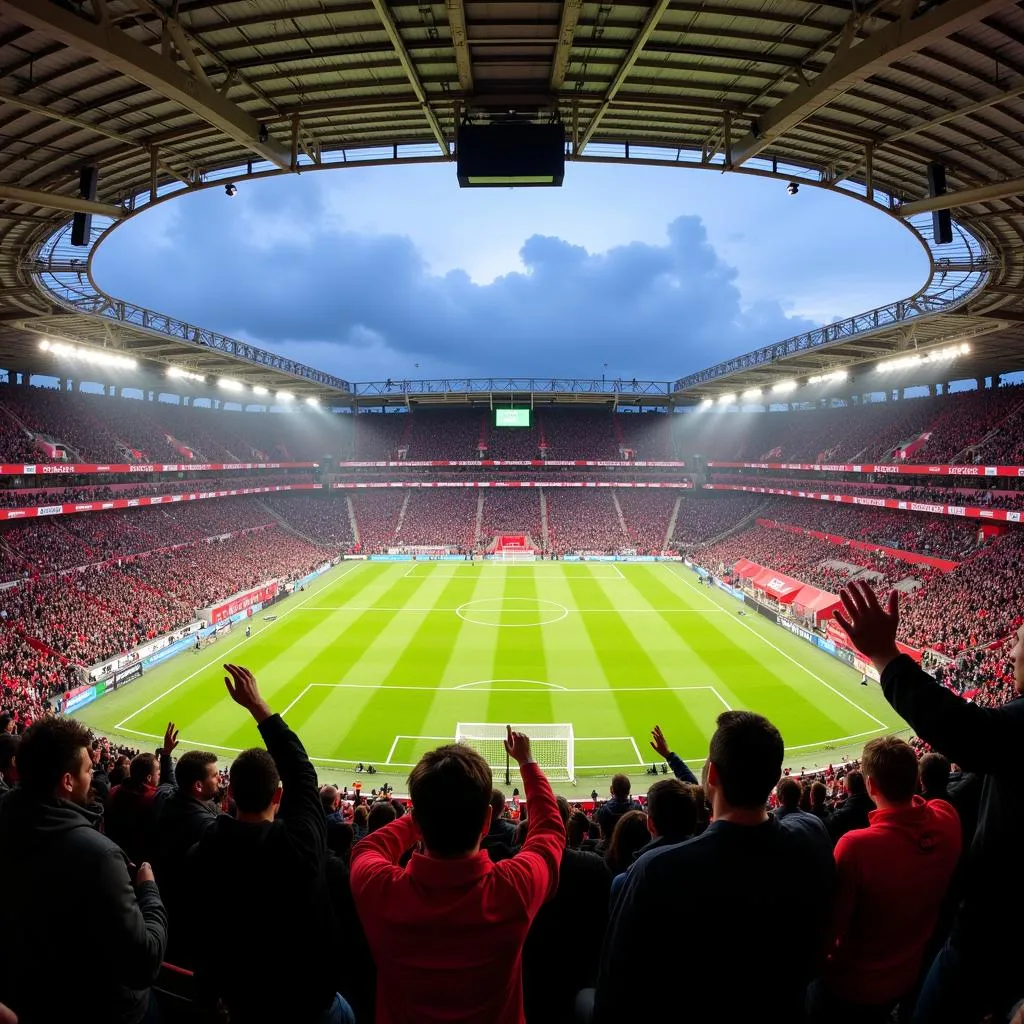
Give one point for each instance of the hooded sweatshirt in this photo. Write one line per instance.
(68, 885)
(893, 877)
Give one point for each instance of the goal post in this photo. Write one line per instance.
(552, 746)
(515, 556)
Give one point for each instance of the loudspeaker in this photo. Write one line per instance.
(942, 223)
(81, 224)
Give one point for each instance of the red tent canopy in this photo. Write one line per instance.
(814, 602)
(778, 585)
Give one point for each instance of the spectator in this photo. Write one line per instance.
(330, 801)
(732, 887)
(70, 877)
(892, 880)
(451, 906)
(973, 973)
(789, 792)
(279, 834)
(501, 835)
(819, 798)
(8, 753)
(934, 769)
(628, 839)
(381, 813)
(129, 818)
(854, 810)
(611, 810)
(563, 947)
(679, 767)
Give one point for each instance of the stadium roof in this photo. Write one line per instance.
(166, 97)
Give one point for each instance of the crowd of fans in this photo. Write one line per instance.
(324, 519)
(512, 511)
(647, 515)
(701, 519)
(583, 521)
(445, 516)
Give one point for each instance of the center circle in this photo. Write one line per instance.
(511, 611)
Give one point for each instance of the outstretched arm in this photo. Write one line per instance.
(680, 769)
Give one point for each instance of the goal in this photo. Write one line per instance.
(515, 555)
(553, 746)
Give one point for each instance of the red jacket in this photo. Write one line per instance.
(447, 935)
(892, 879)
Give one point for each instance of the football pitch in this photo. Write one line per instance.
(378, 662)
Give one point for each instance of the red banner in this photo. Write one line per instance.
(238, 603)
(370, 485)
(997, 515)
(70, 507)
(899, 467)
(72, 468)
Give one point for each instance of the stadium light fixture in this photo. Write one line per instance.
(792, 188)
(93, 356)
(315, 402)
(230, 189)
(829, 378)
(259, 389)
(726, 399)
(285, 396)
(178, 373)
(936, 355)
(751, 393)
(784, 387)
(230, 385)
(706, 404)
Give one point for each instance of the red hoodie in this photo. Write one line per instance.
(447, 935)
(892, 879)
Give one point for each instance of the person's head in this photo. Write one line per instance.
(8, 753)
(564, 810)
(255, 784)
(789, 792)
(6, 723)
(339, 839)
(890, 767)
(620, 787)
(630, 835)
(673, 809)
(381, 814)
(497, 804)
(196, 774)
(55, 760)
(359, 816)
(934, 768)
(450, 790)
(819, 795)
(855, 783)
(1017, 660)
(144, 770)
(744, 762)
(330, 799)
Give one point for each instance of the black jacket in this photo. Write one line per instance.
(851, 815)
(610, 811)
(67, 888)
(988, 741)
(259, 901)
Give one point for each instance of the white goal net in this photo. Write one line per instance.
(553, 746)
(515, 555)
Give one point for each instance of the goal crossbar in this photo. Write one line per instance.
(552, 745)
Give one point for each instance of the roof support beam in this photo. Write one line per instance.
(965, 197)
(571, 10)
(853, 64)
(78, 122)
(388, 22)
(623, 73)
(117, 50)
(460, 43)
(51, 201)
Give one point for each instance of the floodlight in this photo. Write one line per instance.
(259, 389)
(230, 188)
(784, 387)
(752, 393)
(792, 188)
(230, 385)
(726, 399)
(285, 396)
(706, 404)
(312, 401)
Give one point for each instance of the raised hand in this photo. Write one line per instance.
(517, 745)
(659, 744)
(241, 684)
(870, 627)
(144, 874)
(170, 738)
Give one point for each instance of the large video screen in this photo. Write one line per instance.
(511, 417)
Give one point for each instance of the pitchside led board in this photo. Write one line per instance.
(511, 417)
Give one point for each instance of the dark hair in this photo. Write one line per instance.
(191, 768)
(674, 808)
(564, 810)
(855, 783)
(891, 764)
(328, 798)
(381, 814)
(339, 839)
(359, 816)
(789, 792)
(451, 792)
(497, 804)
(142, 766)
(8, 749)
(819, 795)
(254, 780)
(630, 835)
(934, 772)
(620, 786)
(48, 751)
(577, 829)
(747, 752)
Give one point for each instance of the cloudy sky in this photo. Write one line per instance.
(643, 272)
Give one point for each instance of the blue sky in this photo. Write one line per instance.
(652, 272)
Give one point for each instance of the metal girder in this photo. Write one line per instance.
(51, 201)
(78, 122)
(116, 50)
(460, 43)
(965, 197)
(853, 64)
(388, 23)
(571, 10)
(627, 65)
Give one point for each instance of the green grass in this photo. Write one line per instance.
(377, 662)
